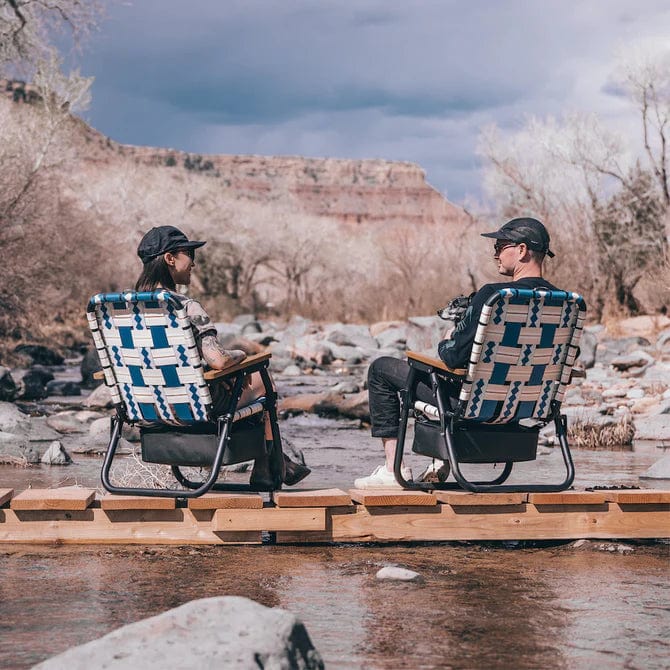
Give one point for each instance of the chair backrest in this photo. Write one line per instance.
(524, 349)
(149, 356)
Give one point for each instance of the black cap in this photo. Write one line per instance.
(161, 239)
(527, 230)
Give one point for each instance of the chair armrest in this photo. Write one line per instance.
(247, 362)
(435, 363)
(98, 374)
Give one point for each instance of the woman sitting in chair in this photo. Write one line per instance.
(168, 258)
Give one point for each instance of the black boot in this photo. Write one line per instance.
(295, 472)
(261, 477)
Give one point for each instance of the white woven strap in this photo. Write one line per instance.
(249, 410)
(429, 410)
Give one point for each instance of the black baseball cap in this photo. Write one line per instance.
(527, 230)
(162, 239)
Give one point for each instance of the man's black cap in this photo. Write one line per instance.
(527, 230)
(161, 239)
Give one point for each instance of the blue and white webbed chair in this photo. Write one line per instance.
(157, 380)
(521, 363)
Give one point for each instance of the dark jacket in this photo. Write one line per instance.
(455, 352)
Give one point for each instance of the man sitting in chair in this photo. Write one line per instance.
(520, 248)
(168, 257)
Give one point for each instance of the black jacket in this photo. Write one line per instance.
(455, 352)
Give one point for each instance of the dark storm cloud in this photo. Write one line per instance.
(352, 78)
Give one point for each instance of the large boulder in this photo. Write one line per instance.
(225, 632)
(99, 398)
(12, 420)
(351, 335)
(40, 354)
(33, 384)
(653, 428)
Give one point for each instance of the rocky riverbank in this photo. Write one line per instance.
(624, 393)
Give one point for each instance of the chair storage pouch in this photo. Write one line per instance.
(196, 446)
(477, 443)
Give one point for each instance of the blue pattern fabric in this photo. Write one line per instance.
(149, 356)
(524, 349)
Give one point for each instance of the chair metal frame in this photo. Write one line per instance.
(100, 322)
(464, 415)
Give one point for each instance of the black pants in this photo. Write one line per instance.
(387, 376)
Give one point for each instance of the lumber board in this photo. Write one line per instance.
(312, 498)
(638, 496)
(118, 502)
(567, 498)
(53, 499)
(445, 523)
(457, 498)
(5, 495)
(392, 497)
(98, 526)
(270, 519)
(213, 501)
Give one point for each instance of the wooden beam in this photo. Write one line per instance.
(312, 498)
(567, 498)
(392, 497)
(226, 501)
(637, 496)
(53, 499)
(270, 519)
(117, 502)
(5, 495)
(456, 498)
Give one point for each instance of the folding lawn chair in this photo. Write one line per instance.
(521, 362)
(152, 367)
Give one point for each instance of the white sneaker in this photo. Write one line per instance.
(381, 478)
(437, 471)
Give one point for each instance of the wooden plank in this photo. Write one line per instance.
(249, 360)
(270, 519)
(445, 523)
(117, 502)
(226, 501)
(98, 526)
(312, 498)
(5, 495)
(637, 496)
(435, 363)
(567, 498)
(53, 499)
(470, 499)
(392, 497)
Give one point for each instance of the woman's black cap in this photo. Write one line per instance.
(527, 230)
(161, 239)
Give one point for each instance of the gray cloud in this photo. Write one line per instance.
(353, 78)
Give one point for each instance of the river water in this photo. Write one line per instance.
(511, 605)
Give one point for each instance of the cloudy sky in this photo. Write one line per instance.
(410, 80)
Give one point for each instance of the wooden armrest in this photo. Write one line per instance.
(249, 360)
(435, 363)
(99, 374)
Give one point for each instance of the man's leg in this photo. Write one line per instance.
(387, 376)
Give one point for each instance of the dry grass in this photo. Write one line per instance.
(585, 435)
(16, 461)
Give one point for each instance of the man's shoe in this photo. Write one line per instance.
(381, 478)
(437, 471)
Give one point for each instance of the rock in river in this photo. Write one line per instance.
(225, 632)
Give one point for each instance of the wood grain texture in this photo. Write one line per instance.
(226, 501)
(53, 499)
(470, 499)
(436, 363)
(249, 360)
(270, 519)
(567, 498)
(118, 502)
(392, 497)
(5, 495)
(638, 496)
(312, 498)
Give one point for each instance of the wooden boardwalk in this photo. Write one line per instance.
(80, 516)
